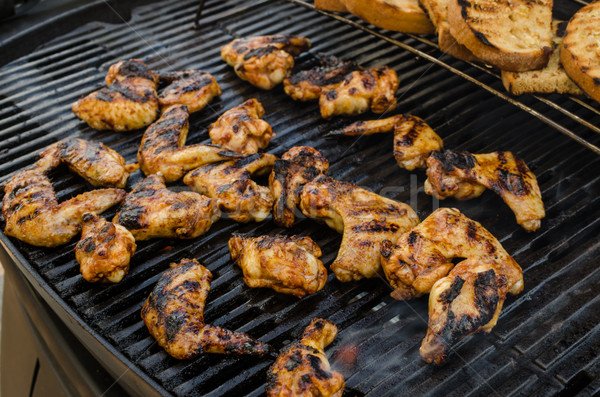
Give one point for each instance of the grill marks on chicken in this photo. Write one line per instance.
(193, 88)
(264, 61)
(174, 315)
(464, 176)
(302, 369)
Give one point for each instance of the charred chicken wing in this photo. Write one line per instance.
(174, 315)
(193, 88)
(287, 264)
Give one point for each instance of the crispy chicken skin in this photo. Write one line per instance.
(287, 264)
(162, 148)
(129, 102)
(104, 250)
(413, 138)
(308, 85)
(230, 184)
(151, 210)
(424, 254)
(365, 219)
(297, 167)
(361, 90)
(464, 176)
(174, 315)
(264, 61)
(302, 369)
(465, 302)
(241, 128)
(193, 88)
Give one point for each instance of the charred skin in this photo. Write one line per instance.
(192, 88)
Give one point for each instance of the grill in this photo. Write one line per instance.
(547, 338)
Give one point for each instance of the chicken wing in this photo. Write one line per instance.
(264, 61)
(230, 184)
(302, 369)
(287, 264)
(151, 210)
(129, 102)
(424, 254)
(174, 315)
(104, 250)
(193, 88)
(467, 301)
(297, 167)
(365, 219)
(464, 176)
(162, 148)
(413, 138)
(241, 128)
(373, 88)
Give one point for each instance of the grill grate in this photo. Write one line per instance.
(546, 340)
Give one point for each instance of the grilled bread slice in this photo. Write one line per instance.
(330, 5)
(514, 35)
(580, 52)
(404, 16)
(552, 78)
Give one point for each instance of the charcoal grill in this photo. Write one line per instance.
(547, 339)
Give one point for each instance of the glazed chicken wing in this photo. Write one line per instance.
(129, 102)
(104, 250)
(174, 315)
(302, 369)
(230, 184)
(464, 176)
(162, 148)
(264, 61)
(241, 128)
(193, 88)
(287, 264)
(365, 219)
(151, 210)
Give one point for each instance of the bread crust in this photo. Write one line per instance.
(398, 15)
(331, 5)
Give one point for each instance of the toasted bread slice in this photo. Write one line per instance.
(580, 52)
(513, 35)
(552, 78)
(404, 16)
(331, 5)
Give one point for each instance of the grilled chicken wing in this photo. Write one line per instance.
(162, 148)
(373, 88)
(297, 167)
(151, 210)
(230, 184)
(413, 138)
(129, 102)
(365, 218)
(193, 88)
(241, 128)
(264, 61)
(174, 315)
(465, 302)
(104, 250)
(308, 85)
(287, 264)
(424, 254)
(302, 369)
(464, 175)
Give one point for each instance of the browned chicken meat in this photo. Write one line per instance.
(297, 167)
(287, 264)
(465, 302)
(129, 102)
(302, 369)
(361, 90)
(174, 315)
(151, 210)
(413, 138)
(464, 176)
(193, 88)
(162, 148)
(230, 184)
(241, 128)
(365, 219)
(104, 250)
(424, 254)
(264, 61)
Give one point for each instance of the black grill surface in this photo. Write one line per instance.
(547, 339)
